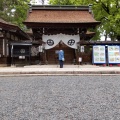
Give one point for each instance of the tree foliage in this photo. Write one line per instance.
(14, 11)
(106, 11)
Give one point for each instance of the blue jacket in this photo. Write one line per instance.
(61, 54)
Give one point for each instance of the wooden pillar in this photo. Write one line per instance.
(1, 45)
(3, 59)
(44, 57)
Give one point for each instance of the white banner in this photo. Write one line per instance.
(52, 40)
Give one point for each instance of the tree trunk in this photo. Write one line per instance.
(105, 36)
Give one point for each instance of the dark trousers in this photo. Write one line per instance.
(61, 63)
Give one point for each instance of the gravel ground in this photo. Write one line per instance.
(60, 98)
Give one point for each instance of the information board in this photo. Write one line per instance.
(114, 54)
(99, 54)
(21, 50)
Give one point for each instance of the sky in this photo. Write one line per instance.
(39, 2)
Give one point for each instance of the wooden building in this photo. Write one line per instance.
(60, 27)
(9, 34)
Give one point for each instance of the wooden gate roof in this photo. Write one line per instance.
(60, 15)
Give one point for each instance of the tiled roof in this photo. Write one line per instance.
(3, 24)
(57, 16)
(99, 42)
(7, 23)
(11, 27)
(1, 20)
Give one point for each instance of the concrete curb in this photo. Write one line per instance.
(51, 70)
(59, 72)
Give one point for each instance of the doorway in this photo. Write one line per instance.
(52, 54)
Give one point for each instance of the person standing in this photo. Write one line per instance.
(61, 58)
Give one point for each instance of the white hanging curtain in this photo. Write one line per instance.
(71, 40)
(52, 40)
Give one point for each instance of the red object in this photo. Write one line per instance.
(118, 64)
(104, 64)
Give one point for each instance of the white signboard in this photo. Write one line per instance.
(21, 57)
(82, 48)
(99, 54)
(40, 48)
(114, 54)
(80, 59)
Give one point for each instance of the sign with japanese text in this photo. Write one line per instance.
(99, 54)
(114, 54)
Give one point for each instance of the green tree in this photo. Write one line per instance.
(14, 11)
(106, 11)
